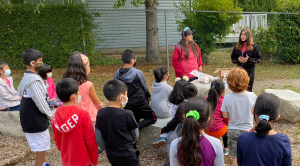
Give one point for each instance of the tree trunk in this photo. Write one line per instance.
(152, 45)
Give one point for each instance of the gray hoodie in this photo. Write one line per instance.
(159, 102)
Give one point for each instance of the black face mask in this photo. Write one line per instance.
(134, 64)
(244, 41)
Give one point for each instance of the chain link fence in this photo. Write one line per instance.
(127, 29)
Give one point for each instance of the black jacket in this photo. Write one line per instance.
(178, 118)
(254, 57)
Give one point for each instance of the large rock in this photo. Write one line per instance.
(10, 123)
(289, 104)
(204, 88)
(150, 134)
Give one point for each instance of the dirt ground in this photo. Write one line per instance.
(15, 151)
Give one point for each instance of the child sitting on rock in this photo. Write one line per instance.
(9, 98)
(46, 74)
(166, 137)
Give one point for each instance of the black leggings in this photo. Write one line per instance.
(251, 74)
(142, 112)
(225, 139)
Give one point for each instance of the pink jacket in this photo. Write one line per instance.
(51, 88)
(183, 67)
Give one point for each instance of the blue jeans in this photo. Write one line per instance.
(15, 108)
(192, 79)
(55, 103)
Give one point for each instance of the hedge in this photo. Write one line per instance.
(280, 42)
(54, 29)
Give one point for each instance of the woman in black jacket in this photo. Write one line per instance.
(246, 54)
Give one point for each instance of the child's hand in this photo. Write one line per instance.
(159, 132)
(251, 130)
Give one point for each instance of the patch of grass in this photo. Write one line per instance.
(297, 132)
(297, 125)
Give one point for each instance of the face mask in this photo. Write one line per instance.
(78, 100)
(7, 72)
(134, 64)
(49, 75)
(39, 67)
(88, 72)
(123, 104)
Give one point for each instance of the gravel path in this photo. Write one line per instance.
(15, 151)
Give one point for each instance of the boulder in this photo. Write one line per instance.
(289, 104)
(150, 134)
(204, 88)
(10, 123)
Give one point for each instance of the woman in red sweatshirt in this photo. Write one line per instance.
(187, 56)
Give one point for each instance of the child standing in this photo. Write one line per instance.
(266, 146)
(79, 69)
(160, 103)
(195, 147)
(237, 106)
(9, 98)
(116, 128)
(46, 74)
(73, 130)
(217, 125)
(35, 113)
(138, 93)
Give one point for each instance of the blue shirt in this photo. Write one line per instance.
(273, 150)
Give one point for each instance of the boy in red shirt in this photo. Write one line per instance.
(73, 130)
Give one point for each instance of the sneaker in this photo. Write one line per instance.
(168, 164)
(100, 151)
(225, 152)
(46, 164)
(159, 143)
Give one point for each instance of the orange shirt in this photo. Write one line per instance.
(86, 102)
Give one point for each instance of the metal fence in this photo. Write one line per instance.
(126, 29)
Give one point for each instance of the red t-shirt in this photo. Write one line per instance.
(74, 136)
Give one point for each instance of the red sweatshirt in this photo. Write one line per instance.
(74, 136)
(183, 67)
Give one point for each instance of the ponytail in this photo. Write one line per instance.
(189, 147)
(263, 127)
(159, 73)
(197, 113)
(217, 86)
(266, 109)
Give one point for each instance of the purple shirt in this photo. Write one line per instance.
(210, 148)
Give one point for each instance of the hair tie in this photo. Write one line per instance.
(185, 78)
(194, 114)
(264, 117)
(177, 79)
(84, 58)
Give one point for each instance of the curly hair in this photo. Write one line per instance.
(238, 80)
(249, 40)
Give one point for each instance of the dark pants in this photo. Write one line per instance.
(143, 111)
(124, 161)
(251, 74)
(192, 79)
(15, 108)
(225, 139)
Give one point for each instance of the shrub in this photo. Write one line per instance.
(281, 40)
(54, 29)
(208, 27)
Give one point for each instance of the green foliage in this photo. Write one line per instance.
(54, 29)
(257, 5)
(121, 3)
(208, 27)
(281, 40)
